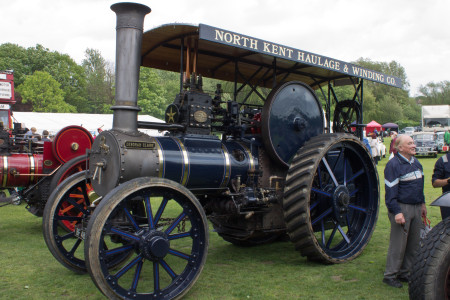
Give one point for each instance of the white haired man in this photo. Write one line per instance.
(405, 202)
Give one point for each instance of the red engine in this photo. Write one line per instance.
(33, 166)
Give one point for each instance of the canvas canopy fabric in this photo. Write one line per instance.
(390, 125)
(53, 122)
(372, 126)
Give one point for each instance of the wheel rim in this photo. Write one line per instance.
(342, 209)
(165, 232)
(72, 211)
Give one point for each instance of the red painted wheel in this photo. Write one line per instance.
(73, 166)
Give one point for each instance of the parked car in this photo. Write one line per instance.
(425, 144)
(440, 142)
(407, 130)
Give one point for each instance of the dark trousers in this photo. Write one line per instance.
(404, 240)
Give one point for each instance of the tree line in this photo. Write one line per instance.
(49, 81)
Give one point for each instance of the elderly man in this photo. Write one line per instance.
(405, 202)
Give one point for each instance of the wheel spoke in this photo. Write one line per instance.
(137, 273)
(168, 269)
(345, 172)
(330, 239)
(323, 215)
(67, 236)
(343, 234)
(321, 192)
(156, 287)
(322, 226)
(119, 250)
(160, 210)
(179, 235)
(68, 218)
(148, 207)
(126, 235)
(127, 267)
(353, 192)
(78, 206)
(75, 246)
(358, 208)
(175, 223)
(130, 217)
(325, 162)
(179, 254)
(360, 172)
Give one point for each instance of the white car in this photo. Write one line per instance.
(408, 130)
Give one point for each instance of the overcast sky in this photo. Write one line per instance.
(415, 33)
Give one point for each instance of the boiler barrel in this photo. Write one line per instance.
(195, 162)
(20, 170)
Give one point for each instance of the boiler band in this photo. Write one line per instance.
(204, 163)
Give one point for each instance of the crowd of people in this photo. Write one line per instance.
(405, 201)
(33, 136)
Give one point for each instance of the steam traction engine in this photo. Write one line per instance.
(35, 167)
(139, 214)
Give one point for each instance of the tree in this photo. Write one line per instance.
(99, 87)
(44, 93)
(151, 95)
(13, 57)
(435, 93)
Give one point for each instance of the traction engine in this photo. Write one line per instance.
(257, 173)
(34, 168)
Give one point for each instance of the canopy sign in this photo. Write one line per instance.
(300, 56)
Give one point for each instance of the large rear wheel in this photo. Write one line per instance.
(430, 276)
(331, 198)
(165, 228)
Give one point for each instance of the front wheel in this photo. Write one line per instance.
(162, 225)
(331, 198)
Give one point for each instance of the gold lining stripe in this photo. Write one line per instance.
(32, 170)
(227, 167)
(250, 157)
(5, 170)
(185, 171)
(161, 158)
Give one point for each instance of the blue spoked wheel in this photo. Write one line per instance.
(331, 198)
(163, 225)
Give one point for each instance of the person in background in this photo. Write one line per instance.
(391, 146)
(447, 137)
(441, 177)
(30, 133)
(45, 137)
(405, 201)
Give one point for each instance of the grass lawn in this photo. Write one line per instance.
(274, 271)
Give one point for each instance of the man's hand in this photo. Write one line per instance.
(400, 219)
(424, 210)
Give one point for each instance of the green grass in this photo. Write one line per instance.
(275, 271)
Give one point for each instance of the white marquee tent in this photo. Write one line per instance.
(53, 122)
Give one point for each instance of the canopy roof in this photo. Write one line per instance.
(373, 124)
(390, 125)
(230, 56)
